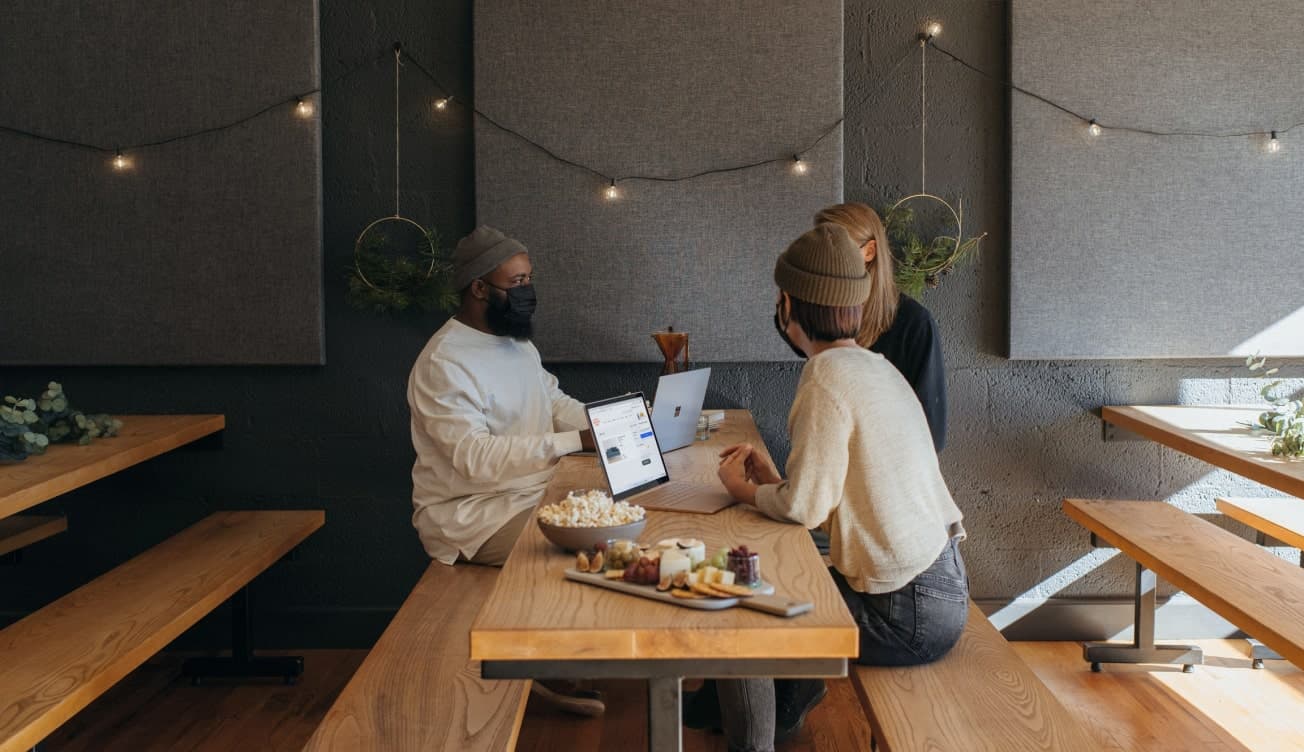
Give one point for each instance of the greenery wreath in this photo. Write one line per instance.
(385, 282)
(921, 262)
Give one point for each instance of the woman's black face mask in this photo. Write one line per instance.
(782, 328)
(509, 316)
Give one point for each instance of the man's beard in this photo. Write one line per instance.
(496, 316)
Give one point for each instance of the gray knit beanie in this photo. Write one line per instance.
(823, 267)
(481, 252)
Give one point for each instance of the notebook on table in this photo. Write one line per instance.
(631, 459)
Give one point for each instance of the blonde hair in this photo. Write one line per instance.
(863, 224)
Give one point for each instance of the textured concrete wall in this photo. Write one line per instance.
(1022, 434)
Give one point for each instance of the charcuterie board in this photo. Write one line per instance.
(765, 600)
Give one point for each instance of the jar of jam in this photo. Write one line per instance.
(745, 565)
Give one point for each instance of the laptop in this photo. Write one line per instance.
(678, 406)
(631, 459)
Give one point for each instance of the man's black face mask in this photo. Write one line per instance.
(509, 315)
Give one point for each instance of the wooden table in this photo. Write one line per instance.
(537, 625)
(1215, 434)
(65, 467)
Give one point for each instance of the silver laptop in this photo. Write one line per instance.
(678, 406)
(631, 458)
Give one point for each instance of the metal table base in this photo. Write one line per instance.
(665, 681)
(1143, 648)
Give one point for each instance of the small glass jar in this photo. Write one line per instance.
(746, 568)
(703, 427)
(621, 553)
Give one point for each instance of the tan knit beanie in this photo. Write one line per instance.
(823, 267)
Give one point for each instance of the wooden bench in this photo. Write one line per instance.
(418, 688)
(1280, 518)
(55, 661)
(1258, 592)
(980, 697)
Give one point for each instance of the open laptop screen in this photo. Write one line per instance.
(626, 444)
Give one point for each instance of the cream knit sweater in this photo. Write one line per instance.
(863, 462)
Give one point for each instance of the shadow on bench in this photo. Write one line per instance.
(418, 689)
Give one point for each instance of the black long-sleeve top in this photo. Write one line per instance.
(914, 346)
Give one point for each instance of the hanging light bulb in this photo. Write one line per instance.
(933, 29)
(612, 193)
(441, 104)
(303, 108)
(120, 162)
(1274, 144)
(799, 166)
(1094, 128)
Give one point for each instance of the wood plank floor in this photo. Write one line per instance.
(1223, 707)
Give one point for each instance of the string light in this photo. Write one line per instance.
(120, 162)
(1274, 144)
(612, 193)
(1094, 128)
(799, 167)
(441, 104)
(303, 108)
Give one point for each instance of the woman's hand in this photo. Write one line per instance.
(733, 473)
(760, 468)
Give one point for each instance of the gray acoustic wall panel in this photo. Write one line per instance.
(1129, 245)
(660, 88)
(205, 251)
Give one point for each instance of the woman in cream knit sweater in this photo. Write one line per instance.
(863, 467)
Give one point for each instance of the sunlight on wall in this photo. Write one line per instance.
(1284, 338)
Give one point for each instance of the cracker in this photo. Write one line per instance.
(687, 595)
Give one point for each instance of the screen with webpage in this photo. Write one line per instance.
(622, 433)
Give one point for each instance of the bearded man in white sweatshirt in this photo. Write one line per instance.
(489, 424)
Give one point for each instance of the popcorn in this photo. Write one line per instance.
(590, 509)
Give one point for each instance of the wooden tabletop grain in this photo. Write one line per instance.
(534, 613)
(65, 467)
(1215, 434)
(1246, 585)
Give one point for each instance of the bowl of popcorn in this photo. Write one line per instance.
(584, 519)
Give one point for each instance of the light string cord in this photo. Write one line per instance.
(1085, 118)
(293, 99)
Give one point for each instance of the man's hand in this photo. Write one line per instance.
(586, 441)
(733, 474)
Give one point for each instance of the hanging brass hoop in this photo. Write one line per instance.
(956, 213)
(357, 246)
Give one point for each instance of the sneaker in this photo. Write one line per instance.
(794, 699)
(701, 709)
(570, 699)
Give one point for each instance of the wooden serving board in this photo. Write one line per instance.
(765, 600)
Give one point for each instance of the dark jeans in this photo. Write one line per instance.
(917, 624)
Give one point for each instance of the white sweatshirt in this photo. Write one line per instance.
(863, 462)
(488, 426)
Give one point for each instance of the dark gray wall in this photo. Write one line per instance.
(336, 437)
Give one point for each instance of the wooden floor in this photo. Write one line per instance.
(1223, 707)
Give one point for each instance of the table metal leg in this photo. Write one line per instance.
(664, 700)
(1143, 648)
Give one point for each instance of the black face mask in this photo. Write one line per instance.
(783, 332)
(509, 316)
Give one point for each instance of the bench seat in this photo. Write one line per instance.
(1281, 517)
(57, 660)
(980, 697)
(418, 688)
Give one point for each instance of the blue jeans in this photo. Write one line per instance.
(917, 624)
